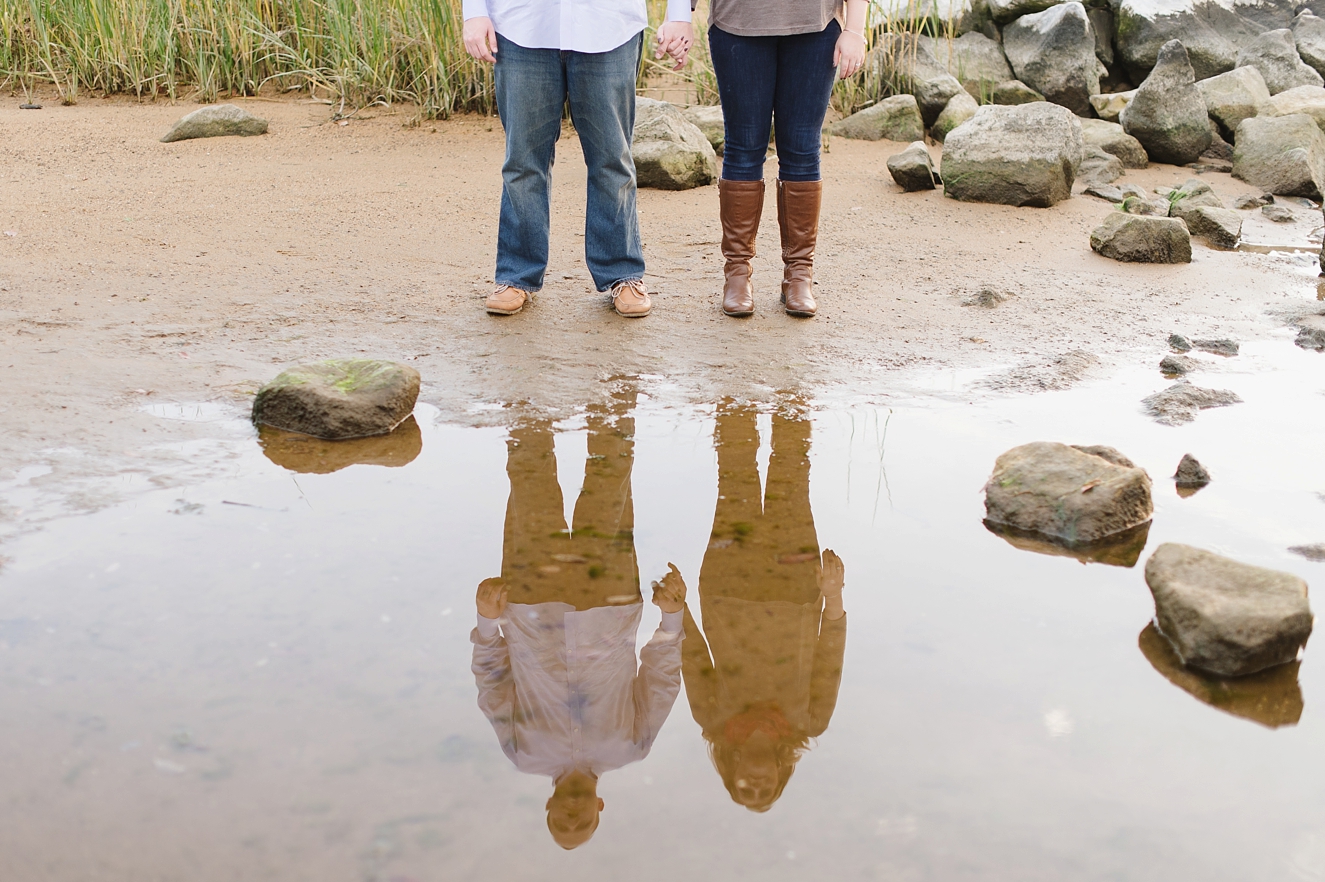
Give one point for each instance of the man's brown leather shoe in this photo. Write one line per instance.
(740, 205)
(630, 299)
(506, 300)
(798, 221)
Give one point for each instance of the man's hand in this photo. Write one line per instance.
(481, 39)
(491, 598)
(674, 40)
(669, 592)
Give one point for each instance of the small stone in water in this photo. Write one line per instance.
(1191, 473)
(1224, 347)
(1277, 213)
(1310, 552)
(1177, 365)
(1179, 343)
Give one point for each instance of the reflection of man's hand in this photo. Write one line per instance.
(832, 576)
(669, 592)
(491, 598)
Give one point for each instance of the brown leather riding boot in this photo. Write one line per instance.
(740, 205)
(798, 220)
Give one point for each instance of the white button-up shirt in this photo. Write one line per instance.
(573, 25)
(563, 690)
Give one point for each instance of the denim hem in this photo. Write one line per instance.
(619, 281)
(519, 287)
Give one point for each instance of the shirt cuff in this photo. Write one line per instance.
(474, 9)
(487, 628)
(672, 622)
(677, 10)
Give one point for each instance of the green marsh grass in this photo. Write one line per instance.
(357, 52)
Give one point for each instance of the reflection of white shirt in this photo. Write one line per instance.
(574, 25)
(561, 688)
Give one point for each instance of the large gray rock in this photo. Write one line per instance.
(1111, 138)
(216, 121)
(708, 119)
(1143, 27)
(1309, 37)
(1274, 54)
(913, 169)
(1181, 402)
(973, 58)
(1071, 494)
(1053, 52)
(1133, 238)
(1110, 104)
(1013, 92)
(934, 95)
(1098, 167)
(1025, 154)
(339, 399)
(1309, 100)
(961, 108)
(671, 153)
(1168, 114)
(1284, 155)
(892, 119)
(1227, 617)
(1234, 96)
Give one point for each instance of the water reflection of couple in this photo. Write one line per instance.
(554, 650)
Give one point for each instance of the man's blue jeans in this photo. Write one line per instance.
(760, 79)
(533, 85)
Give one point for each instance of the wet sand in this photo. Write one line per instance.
(142, 272)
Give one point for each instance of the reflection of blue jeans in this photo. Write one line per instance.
(533, 85)
(761, 78)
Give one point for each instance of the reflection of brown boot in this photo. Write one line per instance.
(740, 204)
(798, 221)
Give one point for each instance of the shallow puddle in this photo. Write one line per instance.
(268, 675)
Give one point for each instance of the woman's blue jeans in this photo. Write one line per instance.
(532, 86)
(761, 79)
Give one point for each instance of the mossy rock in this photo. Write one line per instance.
(339, 399)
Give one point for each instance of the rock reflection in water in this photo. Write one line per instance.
(554, 648)
(762, 678)
(1119, 550)
(1271, 698)
(308, 455)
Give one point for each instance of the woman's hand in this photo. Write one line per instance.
(481, 39)
(669, 592)
(674, 40)
(849, 56)
(491, 598)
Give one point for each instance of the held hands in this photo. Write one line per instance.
(491, 598)
(669, 592)
(481, 39)
(832, 576)
(674, 40)
(848, 57)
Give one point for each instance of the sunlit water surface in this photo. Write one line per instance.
(268, 675)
